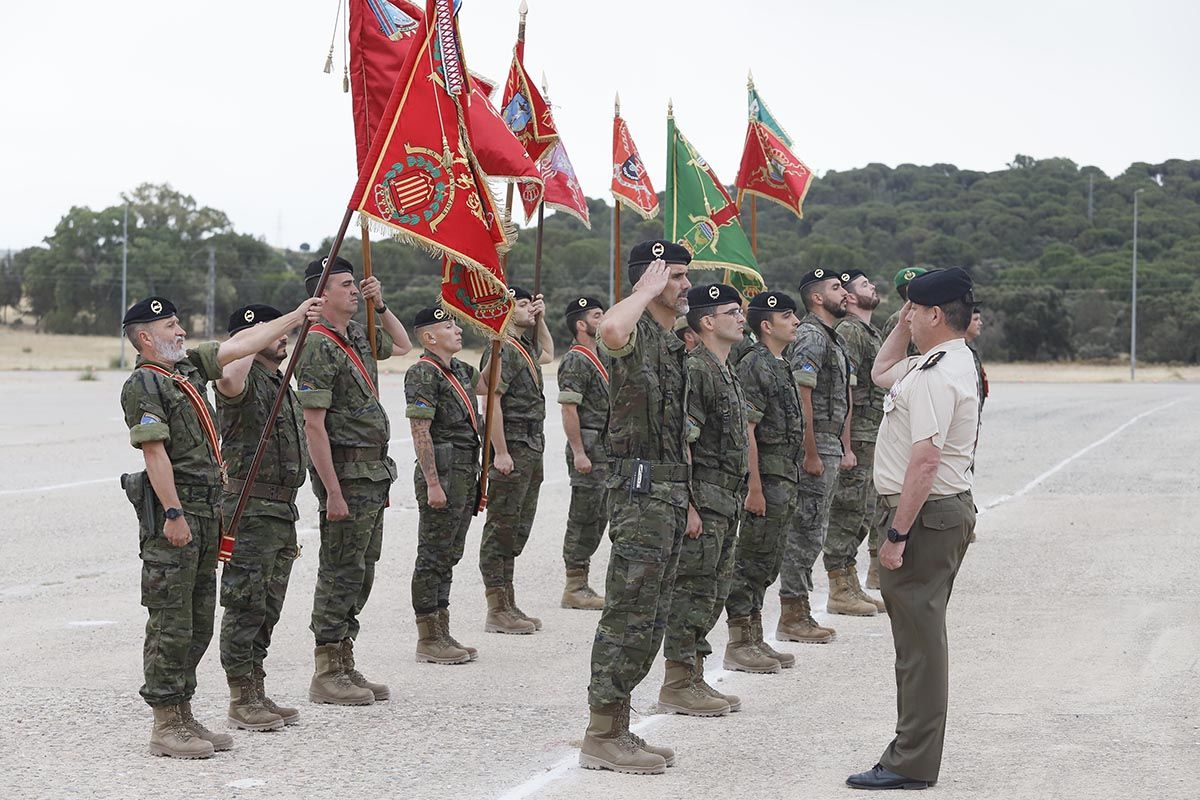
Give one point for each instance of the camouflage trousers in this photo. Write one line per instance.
(587, 515)
(442, 534)
(806, 537)
(179, 591)
(702, 583)
(253, 586)
(349, 550)
(759, 553)
(852, 516)
(646, 532)
(512, 504)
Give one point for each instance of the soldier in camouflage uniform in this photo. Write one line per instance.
(649, 506)
(901, 280)
(440, 391)
(515, 476)
(716, 412)
(177, 499)
(822, 373)
(348, 433)
(776, 438)
(685, 334)
(583, 396)
(852, 515)
(255, 580)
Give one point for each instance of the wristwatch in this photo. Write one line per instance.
(894, 535)
(173, 513)
(381, 309)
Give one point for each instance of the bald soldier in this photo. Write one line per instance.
(178, 499)
(923, 472)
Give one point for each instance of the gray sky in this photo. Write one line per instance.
(227, 101)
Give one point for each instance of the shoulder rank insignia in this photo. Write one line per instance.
(933, 360)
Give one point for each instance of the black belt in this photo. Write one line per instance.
(263, 491)
(726, 481)
(341, 455)
(667, 471)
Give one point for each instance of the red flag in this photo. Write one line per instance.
(421, 179)
(500, 154)
(770, 170)
(473, 299)
(630, 182)
(525, 111)
(562, 186)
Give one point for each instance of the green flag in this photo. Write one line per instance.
(760, 113)
(700, 215)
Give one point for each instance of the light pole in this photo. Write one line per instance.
(1133, 298)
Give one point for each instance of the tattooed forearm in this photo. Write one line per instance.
(423, 445)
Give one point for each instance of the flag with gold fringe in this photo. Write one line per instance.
(769, 169)
(563, 191)
(630, 182)
(525, 111)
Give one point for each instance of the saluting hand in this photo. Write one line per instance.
(891, 554)
(655, 278)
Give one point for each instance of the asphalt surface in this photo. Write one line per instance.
(1074, 633)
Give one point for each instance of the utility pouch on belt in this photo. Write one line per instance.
(141, 495)
(639, 481)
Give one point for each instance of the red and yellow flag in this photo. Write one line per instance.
(525, 111)
(769, 168)
(630, 182)
(563, 191)
(478, 302)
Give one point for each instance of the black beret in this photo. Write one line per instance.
(581, 304)
(315, 268)
(941, 286)
(430, 316)
(773, 301)
(712, 294)
(149, 310)
(646, 252)
(518, 293)
(818, 274)
(251, 315)
(849, 275)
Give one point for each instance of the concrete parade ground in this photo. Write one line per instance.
(1074, 634)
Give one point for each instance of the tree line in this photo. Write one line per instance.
(1048, 242)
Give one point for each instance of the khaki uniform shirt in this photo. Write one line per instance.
(934, 397)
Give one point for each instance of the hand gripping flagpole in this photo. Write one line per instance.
(229, 535)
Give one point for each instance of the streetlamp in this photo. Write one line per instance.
(1133, 300)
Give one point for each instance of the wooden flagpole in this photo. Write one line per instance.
(231, 531)
(616, 265)
(366, 250)
(754, 225)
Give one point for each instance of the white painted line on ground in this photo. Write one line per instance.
(54, 487)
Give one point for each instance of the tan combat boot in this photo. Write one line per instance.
(698, 680)
(880, 606)
(873, 571)
(577, 593)
(501, 618)
(219, 741)
(510, 594)
(379, 690)
(786, 660)
(843, 597)
(331, 684)
(170, 737)
(431, 647)
(680, 695)
(667, 753)
(444, 622)
(606, 746)
(797, 625)
(741, 654)
(290, 716)
(246, 709)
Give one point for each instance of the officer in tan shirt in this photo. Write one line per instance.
(923, 473)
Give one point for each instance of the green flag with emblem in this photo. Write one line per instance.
(701, 215)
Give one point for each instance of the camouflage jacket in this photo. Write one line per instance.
(716, 410)
(522, 399)
(819, 362)
(774, 408)
(430, 396)
(740, 348)
(328, 379)
(862, 341)
(580, 384)
(242, 420)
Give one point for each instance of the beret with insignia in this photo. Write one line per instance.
(907, 274)
(518, 293)
(251, 315)
(939, 286)
(149, 310)
(582, 304)
(818, 274)
(773, 301)
(646, 252)
(430, 316)
(313, 272)
(712, 294)
(849, 275)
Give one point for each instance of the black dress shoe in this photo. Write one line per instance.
(879, 777)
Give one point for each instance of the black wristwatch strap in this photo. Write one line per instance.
(894, 535)
(178, 512)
